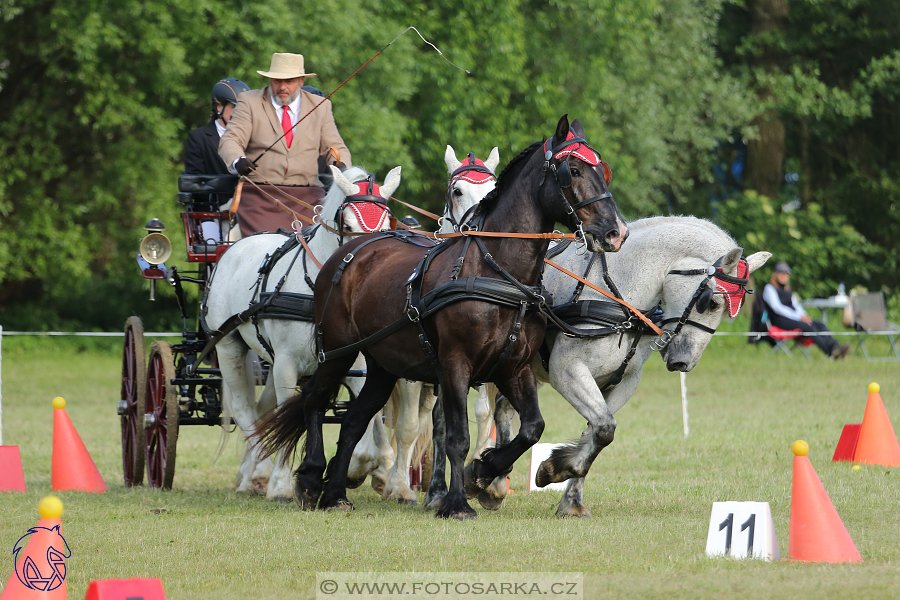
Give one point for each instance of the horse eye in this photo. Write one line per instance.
(575, 172)
(457, 192)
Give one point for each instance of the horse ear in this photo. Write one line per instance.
(391, 183)
(755, 261)
(450, 159)
(562, 131)
(349, 189)
(493, 160)
(578, 128)
(730, 260)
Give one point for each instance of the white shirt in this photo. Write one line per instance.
(220, 128)
(770, 296)
(293, 108)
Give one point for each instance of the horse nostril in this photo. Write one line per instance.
(677, 366)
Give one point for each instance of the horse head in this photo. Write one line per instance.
(43, 568)
(470, 181)
(583, 178)
(700, 293)
(363, 205)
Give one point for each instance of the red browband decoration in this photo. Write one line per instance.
(734, 293)
(472, 170)
(371, 216)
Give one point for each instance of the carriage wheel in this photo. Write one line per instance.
(131, 407)
(160, 417)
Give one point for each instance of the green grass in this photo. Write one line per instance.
(650, 492)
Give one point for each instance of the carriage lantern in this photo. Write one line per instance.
(155, 249)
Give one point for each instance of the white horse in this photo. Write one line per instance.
(413, 402)
(666, 259)
(286, 344)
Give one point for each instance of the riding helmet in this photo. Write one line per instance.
(227, 91)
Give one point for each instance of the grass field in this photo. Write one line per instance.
(650, 492)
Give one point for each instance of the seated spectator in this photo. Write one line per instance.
(785, 312)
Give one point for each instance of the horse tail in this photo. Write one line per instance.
(282, 428)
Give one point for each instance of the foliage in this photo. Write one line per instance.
(822, 252)
(96, 101)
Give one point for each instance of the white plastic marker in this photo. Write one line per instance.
(684, 411)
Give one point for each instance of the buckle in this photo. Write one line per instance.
(348, 258)
(321, 356)
(409, 314)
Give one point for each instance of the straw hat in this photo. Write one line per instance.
(286, 66)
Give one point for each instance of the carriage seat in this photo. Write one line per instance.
(207, 184)
(782, 336)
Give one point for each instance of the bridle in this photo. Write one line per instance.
(563, 174)
(701, 299)
(367, 194)
(469, 165)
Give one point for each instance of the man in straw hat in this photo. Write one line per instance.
(291, 165)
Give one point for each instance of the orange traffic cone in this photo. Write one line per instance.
(72, 467)
(877, 443)
(116, 589)
(40, 567)
(816, 533)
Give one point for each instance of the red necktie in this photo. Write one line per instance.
(286, 126)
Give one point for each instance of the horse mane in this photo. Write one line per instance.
(649, 222)
(509, 174)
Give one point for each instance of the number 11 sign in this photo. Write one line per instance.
(742, 530)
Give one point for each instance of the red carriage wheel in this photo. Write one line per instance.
(160, 417)
(131, 403)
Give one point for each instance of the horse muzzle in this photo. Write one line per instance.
(606, 238)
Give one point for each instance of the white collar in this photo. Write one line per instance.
(294, 106)
(220, 128)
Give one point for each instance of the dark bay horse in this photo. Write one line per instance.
(459, 313)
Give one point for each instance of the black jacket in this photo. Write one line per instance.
(201, 157)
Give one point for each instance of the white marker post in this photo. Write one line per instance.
(684, 408)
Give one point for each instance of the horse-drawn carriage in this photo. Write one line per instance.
(165, 391)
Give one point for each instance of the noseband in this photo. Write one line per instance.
(701, 299)
(573, 145)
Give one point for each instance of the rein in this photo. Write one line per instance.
(635, 311)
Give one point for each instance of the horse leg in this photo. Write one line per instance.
(437, 488)
(365, 458)
(573, 380)
(268, 400)
(484, 411)
(371, 399)
(385, 456)
(571, 504)
(317, 393)
(283, 378)
(521, 391)
(493, 495)
(455, 387)
(405, 433)
(239, 398)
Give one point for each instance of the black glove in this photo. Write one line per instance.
(243, 166)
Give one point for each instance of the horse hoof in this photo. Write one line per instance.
(470, 481)
(544, 474)
(577, 511)
(407, 502)
(432, 502)
(378, 485)
(489, 502)
(340, 506)
(352, 484)
(282, 499)
(307, 501)
(459, 513)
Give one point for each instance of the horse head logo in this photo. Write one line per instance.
(41, 565)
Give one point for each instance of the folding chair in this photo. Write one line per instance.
(782, 336)
(869, 316)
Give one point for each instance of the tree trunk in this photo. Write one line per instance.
(765, 153)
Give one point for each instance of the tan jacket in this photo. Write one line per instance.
(254, 126)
